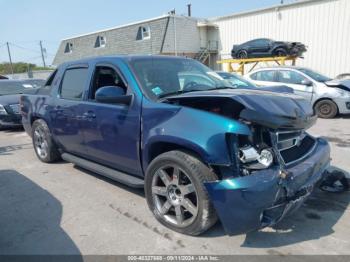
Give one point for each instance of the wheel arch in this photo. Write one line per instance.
(322, 99)
(157, 148)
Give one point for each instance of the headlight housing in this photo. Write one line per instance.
(252, 159)
(3, 110)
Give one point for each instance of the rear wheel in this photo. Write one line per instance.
(280, 52)
(326, 109)
(243, 54)
(176, 194)
(44, 146)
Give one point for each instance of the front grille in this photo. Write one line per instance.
(293, 146)
(14, 108)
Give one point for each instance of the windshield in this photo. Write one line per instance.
(314, 75)
(12, 87)
(236, 80)
(164, 76)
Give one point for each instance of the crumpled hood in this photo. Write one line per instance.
(343, 84)
(9, 99)
(265, 108)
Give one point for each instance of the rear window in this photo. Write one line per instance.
(267, 75)
(73, 83)
(11, 87)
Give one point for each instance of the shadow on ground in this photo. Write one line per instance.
(30, 219)
(315, 219)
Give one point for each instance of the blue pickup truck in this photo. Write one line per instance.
(201, 149)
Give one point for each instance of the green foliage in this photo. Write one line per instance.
(19, 67)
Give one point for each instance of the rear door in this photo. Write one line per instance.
(264, 78)
(112, 131)
(66, 115)
(296, 81)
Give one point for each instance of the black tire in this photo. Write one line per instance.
(326, 109)
(242, 54)
(197, 173)
(280, 52)
(42, 141)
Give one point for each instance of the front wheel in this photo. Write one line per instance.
(176, 194)
(44, 146)
(326, 109)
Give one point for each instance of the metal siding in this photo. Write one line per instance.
(322, 25)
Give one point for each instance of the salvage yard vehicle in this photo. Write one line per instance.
(239, 82)
(264, 47)
(10, 91)
(328, 97)
(201, 151)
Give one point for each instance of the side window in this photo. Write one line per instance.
(105, 76)
(73, 83)
(50, 79)
(290, 77)
(267, 75)
(144, 32)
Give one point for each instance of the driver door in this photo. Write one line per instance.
(296, 81)
(112, 131)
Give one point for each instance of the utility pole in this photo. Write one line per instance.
(175, 40)
(8, 50)
(42, 53)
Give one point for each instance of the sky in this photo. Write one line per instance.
(24, 23)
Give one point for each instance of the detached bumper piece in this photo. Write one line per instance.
(265, 197)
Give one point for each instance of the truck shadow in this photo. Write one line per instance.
(8, 150)
(314, 220)
(30, 219)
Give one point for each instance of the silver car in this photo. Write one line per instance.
(328, 97)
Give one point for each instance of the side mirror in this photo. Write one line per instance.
(112, 95)
(306, 82)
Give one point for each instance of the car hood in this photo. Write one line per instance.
(265, 108)
(278, 89)
(343, 84)
(9, 99)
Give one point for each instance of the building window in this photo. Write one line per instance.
(143, 33)
(68, 48)
(100, 41)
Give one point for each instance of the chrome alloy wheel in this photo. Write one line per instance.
(40, 143)
(174, 196)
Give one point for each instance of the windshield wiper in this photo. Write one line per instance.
(179, 92)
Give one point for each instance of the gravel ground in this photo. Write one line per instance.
(62, 209)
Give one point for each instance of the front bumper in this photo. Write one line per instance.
(10, 120)
(343, 104)
(265, 197)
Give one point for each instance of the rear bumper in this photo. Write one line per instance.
(264, 198)
(10, 120)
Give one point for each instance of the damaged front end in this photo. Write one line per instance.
(274, 168)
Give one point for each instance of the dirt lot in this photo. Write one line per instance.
(61, 209)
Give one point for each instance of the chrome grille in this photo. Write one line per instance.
(293, 145)
(14, 108)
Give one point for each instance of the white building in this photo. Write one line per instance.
(322, 25)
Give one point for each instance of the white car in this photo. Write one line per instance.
(328, 97)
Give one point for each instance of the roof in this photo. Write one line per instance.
(123, 57)
(200, 21)
(271, 8)
(121, 26)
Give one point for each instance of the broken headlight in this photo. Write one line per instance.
(252, 159)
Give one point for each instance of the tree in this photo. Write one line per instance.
(19, 67)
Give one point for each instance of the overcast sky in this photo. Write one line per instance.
(24, 23)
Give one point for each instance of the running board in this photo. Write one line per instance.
(104, 171)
